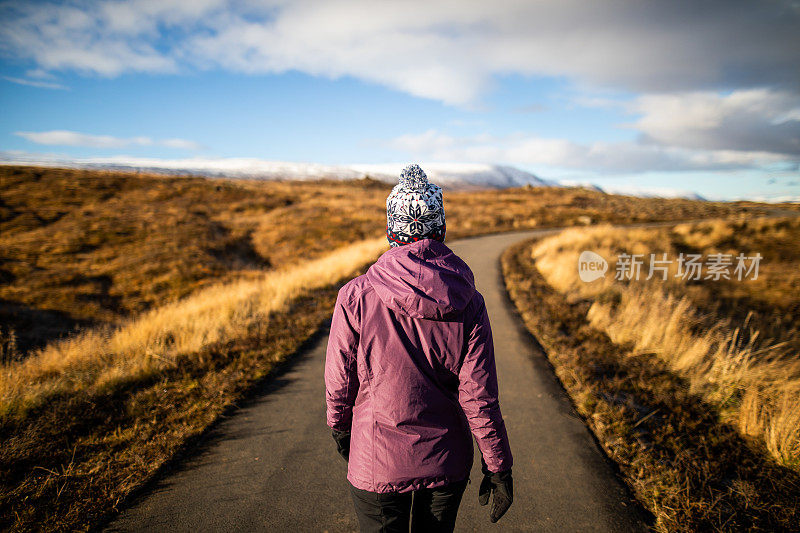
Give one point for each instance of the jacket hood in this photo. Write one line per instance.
(424, 279)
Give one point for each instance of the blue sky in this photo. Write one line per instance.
(632, 96)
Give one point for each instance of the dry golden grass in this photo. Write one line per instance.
(83, 248)
(753, 380)
(101, 359)
(147, 304)
(87, 420)
(692, 472)
(474, 212)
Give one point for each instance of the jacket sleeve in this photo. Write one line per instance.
(478, 395)
(341, 378)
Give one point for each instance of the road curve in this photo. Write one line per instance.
(272, 465)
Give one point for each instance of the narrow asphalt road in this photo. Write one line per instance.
(272, 465)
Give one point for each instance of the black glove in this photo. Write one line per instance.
(501, 486)
(342, 439)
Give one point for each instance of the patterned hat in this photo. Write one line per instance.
(414, 209)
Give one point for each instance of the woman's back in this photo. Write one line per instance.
(410, 373)
(408, 324)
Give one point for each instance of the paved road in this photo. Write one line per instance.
(272, 464)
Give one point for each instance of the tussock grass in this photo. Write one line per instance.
(102, 359)
(691, 470)
(81, 248)
(85, 421)
(754, 381)
(755, 385)
(172, 295)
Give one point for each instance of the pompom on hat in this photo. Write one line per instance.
(414, 209)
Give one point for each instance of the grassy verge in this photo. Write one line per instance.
(134, 307)
(83, 427)
(691, 471)
(81, 248)
(736, 341)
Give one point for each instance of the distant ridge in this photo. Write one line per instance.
(451, 175)
(448, 175)
(462, 175)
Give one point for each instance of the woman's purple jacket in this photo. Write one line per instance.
(410, 371)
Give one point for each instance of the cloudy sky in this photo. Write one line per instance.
(674, 94)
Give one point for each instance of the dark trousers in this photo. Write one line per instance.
(427, 510)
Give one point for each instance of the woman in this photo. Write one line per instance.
(410, 373)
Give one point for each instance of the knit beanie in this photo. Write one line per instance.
(414, 209)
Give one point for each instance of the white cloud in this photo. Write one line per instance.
(89, 36)
(35, 83)
(792, 115)
(747, 120)
(180, 144)
(714, 85)
(562, 153)
(447, 50)
(74, 138)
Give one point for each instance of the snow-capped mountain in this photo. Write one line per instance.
(449, 175)
(460, 175)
